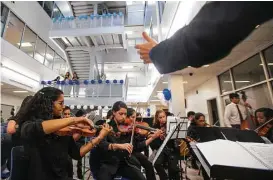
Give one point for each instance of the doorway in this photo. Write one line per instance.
(213, 112)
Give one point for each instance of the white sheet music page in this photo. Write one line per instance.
(228, 153)
(264, 152)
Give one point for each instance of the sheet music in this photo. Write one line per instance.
(264, 152)
(228, 153)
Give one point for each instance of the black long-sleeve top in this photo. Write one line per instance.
(115, 157)
(211, 35)
(47, 153)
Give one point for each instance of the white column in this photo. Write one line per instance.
(177, 103)
(95, 8)
(92, 68)
(152, 109)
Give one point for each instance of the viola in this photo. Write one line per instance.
(264, 128)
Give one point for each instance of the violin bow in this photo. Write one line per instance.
(133, 130)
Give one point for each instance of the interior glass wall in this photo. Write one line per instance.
(20, 35)
(4, 16)
(248, 72)
(28, 42)
(14, 30)
(48, 7)
(225, 82)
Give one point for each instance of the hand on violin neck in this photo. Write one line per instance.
(82, 122)
(105, 130)
(127, 147)
(157, 134)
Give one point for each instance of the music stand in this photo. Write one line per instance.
(173, 128)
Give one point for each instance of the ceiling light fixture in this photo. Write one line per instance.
(20, 91)
(154, 100)
(207, 65)
(269, 64)
(237, 81)
(127, 67)
(257, 26)
(166, 82)
(25, 44)
(159, 91)
(129, 32)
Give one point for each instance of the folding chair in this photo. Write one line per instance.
(19, 164)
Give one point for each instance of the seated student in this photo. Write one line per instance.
(47, 148)
(143, 160)
(263, 115)
(167, 156)
(198, 121)
(116, 151)
(190, 116)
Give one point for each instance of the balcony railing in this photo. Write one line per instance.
(90, 89)
(88, 21)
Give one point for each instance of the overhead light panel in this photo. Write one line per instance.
(269, 64)
(154, 100)
(237, 81)
(20, 91)
(159, 91)
(257, 26)
(127, 67)
(207, 65)
(25, 44)
(166, 82)
(129, 32)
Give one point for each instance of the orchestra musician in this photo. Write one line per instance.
(198, 121)
(116, 150)
(140, 119)
(263, 115)
(47, 152)
(138, 138)
(167, 155)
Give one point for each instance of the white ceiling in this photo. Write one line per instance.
(8, 89)
(260, 37)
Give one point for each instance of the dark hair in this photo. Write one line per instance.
(169, 113)
(130, 112)
(24, 103)
(109, 114)
(268, 113)
(66, 108)
(233, 95)
(138, 114)
(190, 113)
(118, 105)
(197, 116)
(39, 106)
(80, 113)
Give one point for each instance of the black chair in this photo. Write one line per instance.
(19, 164)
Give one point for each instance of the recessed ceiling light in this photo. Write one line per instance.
(257, 26)
(166, 82)
(207, 65)
(25, 44)
(159, 91)
(185, 82)
(127, 67)
(129, 32)
(20, 91)
(155, 100)
(189, 66)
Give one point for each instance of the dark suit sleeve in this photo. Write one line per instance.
(211, 35)
(104, 144)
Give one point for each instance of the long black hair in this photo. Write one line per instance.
(118, 105)
(40, 106)
(130, 112)
(24, 103)
(268, 114)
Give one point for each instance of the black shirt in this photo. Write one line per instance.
(47, 153)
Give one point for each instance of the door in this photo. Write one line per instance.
(213, 112)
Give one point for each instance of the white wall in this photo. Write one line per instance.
(36, 18)
(11, 100)
(206, 91)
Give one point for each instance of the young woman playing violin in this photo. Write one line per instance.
(140, 137)
(262, 116)
(47, 152)
(116, 149)
(167, 156)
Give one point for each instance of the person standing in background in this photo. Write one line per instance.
(190, 116)
(235, 113)
(76, 87)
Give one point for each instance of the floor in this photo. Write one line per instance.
(191, 173)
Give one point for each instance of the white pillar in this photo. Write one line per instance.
(95, 8)
(152, 109)
(177, 103)
(92, 68)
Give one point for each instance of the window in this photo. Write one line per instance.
(4, 15)
(225, 82)
(48, 7)
(41, 3)
(14, 30)
(28, 42)
(249, 72)
(57, 63)
(56, 12)
(258, 96)
(49, 57)
(40, 50)
(268, 55)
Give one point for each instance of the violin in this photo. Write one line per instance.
(264, 128)
(141, 128)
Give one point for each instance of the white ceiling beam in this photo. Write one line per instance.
(104, 42)
(94, 40)
(83, 11)
(124, 41)
(83, 7)
(93, 48)
(80, 3)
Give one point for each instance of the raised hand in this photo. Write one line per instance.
(145, 48)
(157, 134)
(105, 130)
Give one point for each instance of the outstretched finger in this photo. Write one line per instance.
(146, 37)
